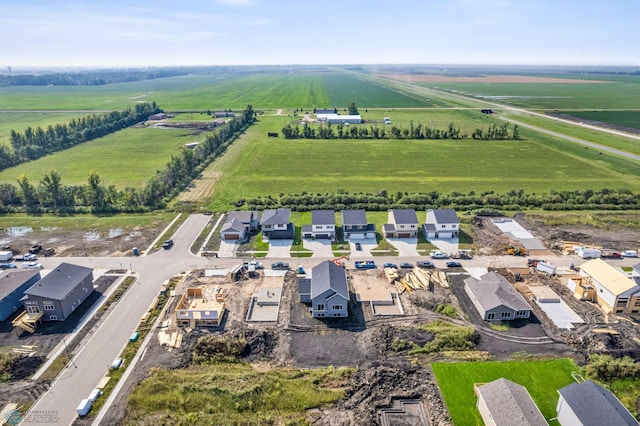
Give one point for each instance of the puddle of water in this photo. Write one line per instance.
(18, 231)
(92, 236)
(116, 232)
(48, 228)
(132, 235)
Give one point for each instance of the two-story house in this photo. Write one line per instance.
(441, 223)
(323, 225)
(402, 223)
(327, 291)
(239, 225)
(355, 226)
(276, 224)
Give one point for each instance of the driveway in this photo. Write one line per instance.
(280, 248)
(407, 247)
(448, 246)
(228, 248)
(366, 245)
(320, 248)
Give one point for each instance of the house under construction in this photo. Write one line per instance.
(201, 307)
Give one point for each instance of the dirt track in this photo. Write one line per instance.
(429, 78)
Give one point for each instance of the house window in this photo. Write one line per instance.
(33, 309)
(443, 226)
(505, 315)
(621, 303)
(637, 304)
(491, 315)
(401, 226)
(53, 317)
(336, 307)
(320, 307)
(48, 305)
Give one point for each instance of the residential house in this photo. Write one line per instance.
(13, 283)
(60, 292)
(276, 224)
(589, 404)
(323, 225)
(200, 307)
(402, 223)
(441, 223)
(615, 291)
(239, 225)
(495, 298)
(505, 403)
(355, 226)
(328, 291)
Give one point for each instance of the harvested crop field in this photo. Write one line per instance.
(434, 78)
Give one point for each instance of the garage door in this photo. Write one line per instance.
(322, 237)
(232, 236)
(404, 235)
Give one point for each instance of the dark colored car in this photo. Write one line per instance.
(390, 265)
(167, 244)
(425, 264)
(358, 246)
(280, 266)
(406, 265)
(454, 265)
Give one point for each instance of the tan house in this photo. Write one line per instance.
(200, 307)
(402, 223)
(615, 292)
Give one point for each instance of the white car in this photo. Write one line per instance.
(29, 257)
(32, 265)
(629, 253)
(438, 255)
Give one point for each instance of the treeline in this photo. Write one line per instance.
(51, 195)
(603, 199)
(90, 78)
(413, 131)
(35, 143)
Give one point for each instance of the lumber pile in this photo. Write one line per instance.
(440, 278)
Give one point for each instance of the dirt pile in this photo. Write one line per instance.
(260, 344)
(384, 338)
(615, 343)
(377, 385)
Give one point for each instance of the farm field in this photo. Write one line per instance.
(620, 118)
(542, 378)
(259, 166)
(125, 158)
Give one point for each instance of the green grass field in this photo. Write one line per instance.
(621, 118)
(257, 165)
(125, 158)
(99, 223)
(542, 378)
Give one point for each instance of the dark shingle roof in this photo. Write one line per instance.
(594, 405)
(354, 217)
(323, 217)
(59, 282)
(445, 216)
(244, 217)
(275, 216)
(404, 216)
(327, 275)
(493, 290)
(11, 279)
(510, 404)
(304, 286)
(233, 225)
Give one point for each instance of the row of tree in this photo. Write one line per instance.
(90, 78)
(35, 143)
(413, 131)
(51, 195)
(603, 199)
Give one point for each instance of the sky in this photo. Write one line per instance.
(119, 33)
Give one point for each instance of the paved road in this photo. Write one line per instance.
(93, 359)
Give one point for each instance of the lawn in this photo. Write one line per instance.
(259, 166)
(125, 158)
(85, 221)
(542, 378)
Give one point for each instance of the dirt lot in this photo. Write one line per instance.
(428, 78)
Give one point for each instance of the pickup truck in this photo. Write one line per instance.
(280, 266)
(425, 264)
(365, 264)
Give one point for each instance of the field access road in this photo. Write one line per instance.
(92, 360)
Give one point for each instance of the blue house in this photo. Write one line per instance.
(13, 284)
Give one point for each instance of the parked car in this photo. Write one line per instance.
(358, 246)
(29, 257)
(390, 265)
(425, 264)
(439, 255)
(8, 266)
(629, 253)
(406, 265)
(35, 249)
(49, 252)
(32, 265)
(255, 264)
(280, 266)
(167, 244)
(452, 264)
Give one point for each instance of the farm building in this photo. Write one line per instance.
(60, 292)
(239, 225)
(323, 225)
(505, 403)
(613, 290)
(495, 298)
(402, 223)
(355, 226)
(589, 404)
(276, 224)
(13, 284)
(327, 291)
(441, 223)
(339, 119)
(325, 111)
(158, 116)
(221, 114)
(200, 307)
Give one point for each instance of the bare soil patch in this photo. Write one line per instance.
(433, 78)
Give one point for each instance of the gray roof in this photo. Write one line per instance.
(510, 404)
(354, 217)
(594, 405)
(304, 286)
(12, 279)
(404, 216)
(327, 275)
(233, 225)
(493, 290)
(323, 217)
(637, 267)
(275, 216)
(445, 216)
(59, 282)
(244, 217)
